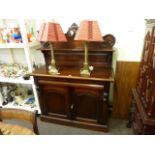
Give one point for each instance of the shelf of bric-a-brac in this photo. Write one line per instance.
(23, 96)
(15, 60)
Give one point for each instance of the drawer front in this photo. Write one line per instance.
(57, 79)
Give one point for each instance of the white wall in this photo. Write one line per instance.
(129, 33)
(123, 18)
(15, 55)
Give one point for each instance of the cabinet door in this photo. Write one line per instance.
(89, 106)
(54, 101)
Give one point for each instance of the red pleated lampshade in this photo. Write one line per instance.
(51, 32)
(89, 31)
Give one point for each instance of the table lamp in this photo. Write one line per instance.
(51, 32)
(88, 32)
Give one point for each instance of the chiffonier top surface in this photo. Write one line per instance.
(105, 74)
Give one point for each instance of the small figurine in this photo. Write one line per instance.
(1, 37)
(16, 35)
(1, 99)
(4, 34)
(29, 35)
(6, 91)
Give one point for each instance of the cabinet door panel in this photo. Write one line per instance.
(86, 104)
(55, 100)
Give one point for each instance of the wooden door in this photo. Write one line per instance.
(54, 101)
(88, 105)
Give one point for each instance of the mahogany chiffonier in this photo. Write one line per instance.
(69, 98)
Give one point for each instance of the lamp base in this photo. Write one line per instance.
(53, 70)
(86, 70)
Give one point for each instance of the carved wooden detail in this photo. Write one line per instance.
(144, 94)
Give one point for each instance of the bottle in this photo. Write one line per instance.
(1, 99)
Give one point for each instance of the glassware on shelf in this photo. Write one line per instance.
(29, 35)
(13, 70)
(31, 30)
(17, 95)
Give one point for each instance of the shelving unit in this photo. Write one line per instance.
(15, 80)
(12, 45)
(11, 53)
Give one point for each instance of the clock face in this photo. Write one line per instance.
(72, 33)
